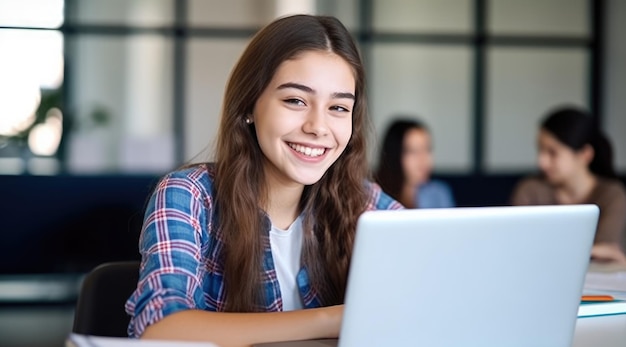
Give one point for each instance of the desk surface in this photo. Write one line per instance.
(606, 331)
(604, 267)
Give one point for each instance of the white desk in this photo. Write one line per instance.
(604, 331)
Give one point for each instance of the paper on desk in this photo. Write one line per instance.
(612, 283)
(77, 340)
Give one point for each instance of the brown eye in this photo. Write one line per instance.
(339, 109)
(296, 102)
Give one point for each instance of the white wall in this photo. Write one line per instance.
(539, 17)
(522, 85)
(209, 62)
(447, 16)
(132, 12)
(615, 79)
(432, 83)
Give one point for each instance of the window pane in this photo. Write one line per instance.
(256, 13)
(441, 16)
(123, 12)
(433, 83)
(523, 85)
(232, 13)
(31, 13)
(347, 11)
(121, 92)
(539, 17)
(208, 68)
(31, 121)
(33, 55)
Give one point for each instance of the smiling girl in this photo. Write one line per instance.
(256, 247)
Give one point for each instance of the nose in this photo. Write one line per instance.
(316, 123)
(543, 161)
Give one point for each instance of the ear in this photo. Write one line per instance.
(587, 153)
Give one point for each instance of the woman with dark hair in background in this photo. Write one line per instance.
(405, 166)
(576, 163)
(228, 248)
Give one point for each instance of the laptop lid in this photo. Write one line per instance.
(491, 276)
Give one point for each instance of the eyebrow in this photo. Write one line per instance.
(302, 87)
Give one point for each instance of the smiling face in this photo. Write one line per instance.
(303, 118)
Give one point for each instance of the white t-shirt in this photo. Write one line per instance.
(286, 248)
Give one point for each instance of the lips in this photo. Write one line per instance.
(306, 150)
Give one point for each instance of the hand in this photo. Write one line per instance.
(608, 253)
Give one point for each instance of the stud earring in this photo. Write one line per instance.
(248, 121)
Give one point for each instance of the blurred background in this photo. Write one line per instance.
(99, 98)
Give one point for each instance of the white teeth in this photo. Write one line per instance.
(308, 151)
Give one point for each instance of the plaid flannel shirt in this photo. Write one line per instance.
(181, 245)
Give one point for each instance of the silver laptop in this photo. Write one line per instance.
(497, 276)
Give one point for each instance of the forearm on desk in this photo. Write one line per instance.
(608, 252)
(245, 329)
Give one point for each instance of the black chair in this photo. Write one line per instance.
(100, 307)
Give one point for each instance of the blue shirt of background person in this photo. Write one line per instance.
(434, 194)
(405, 167)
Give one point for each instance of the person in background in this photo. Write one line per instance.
(255, 247)
(405, 166)
(576, 163)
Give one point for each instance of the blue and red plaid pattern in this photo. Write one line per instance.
(181, 246)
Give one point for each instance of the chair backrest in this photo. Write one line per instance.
(100, 307)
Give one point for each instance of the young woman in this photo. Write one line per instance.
(576, 164)
(256, 247)
(405, 166)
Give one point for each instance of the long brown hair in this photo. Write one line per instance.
(331, 206)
